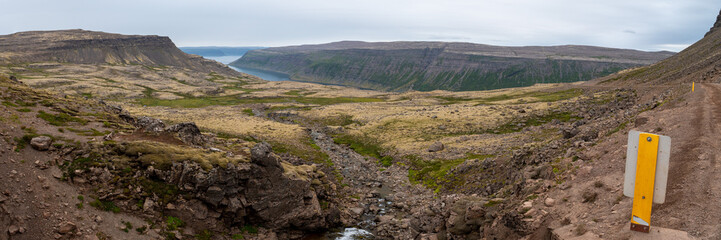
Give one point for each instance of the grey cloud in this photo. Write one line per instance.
(641, 24)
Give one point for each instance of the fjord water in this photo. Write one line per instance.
(267, 75)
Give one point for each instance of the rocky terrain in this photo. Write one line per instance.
(121, 150)
(425, 66)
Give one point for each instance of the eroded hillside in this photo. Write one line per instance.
(426, 66)
(206, 154)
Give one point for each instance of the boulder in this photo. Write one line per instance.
(189, 133)
(41, 143)
(214, 195)
(148, 205)
(436, 147)
(569, 133)
(149, 124)
(258, 190)
(357, 210)
(262, 154)
(12, 230)
(549, 202)
(66, 227)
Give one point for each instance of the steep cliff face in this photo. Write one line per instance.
(88, 47)
(400, 66)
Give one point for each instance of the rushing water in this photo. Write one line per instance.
(267, 75)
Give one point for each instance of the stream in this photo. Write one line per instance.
(362, 175)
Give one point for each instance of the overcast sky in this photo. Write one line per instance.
(636, 24)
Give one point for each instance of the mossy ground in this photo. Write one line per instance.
(162, 155)
(434, 173)
(198, 102)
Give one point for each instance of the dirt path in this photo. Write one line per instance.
(693, 202)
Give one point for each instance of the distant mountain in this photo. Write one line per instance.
(400, 66)
(218, 51)
(89, 47)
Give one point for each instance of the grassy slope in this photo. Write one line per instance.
(425, 70)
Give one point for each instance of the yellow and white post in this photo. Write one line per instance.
(646, 175)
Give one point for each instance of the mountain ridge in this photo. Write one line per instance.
(92, 47)
(400, 66)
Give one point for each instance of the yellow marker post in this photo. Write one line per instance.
(644, 186)
(693, 86)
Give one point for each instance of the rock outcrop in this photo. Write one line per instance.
(249, 193)
(89, 47)
(188, 133)
(41, 143)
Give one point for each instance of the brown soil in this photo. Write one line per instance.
(694, 185)
(38, 202)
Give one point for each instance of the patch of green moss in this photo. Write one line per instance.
(162, 155)
(165, 192)
(213, 76)
(248, 112)
(249, 229)
(79, 164)
(60, 119)
(341, 119)
(617, 128)
(47, 103)
(519, 124)
(128, 226)
(535, 97)
(430, 173)
(492, 203)
(305, 149)
(9, 104)
(366, 146)
(434, 173)
(89, 132)
(105, 205)
(174, 223)
(204, 235)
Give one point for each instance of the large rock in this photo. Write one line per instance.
(41, 143)
(436, 147)
(149, 124)
(148, 205)
(188, 133)
(262, 154)
(13, 229)
(66, 227)
(549, 202)
(258, 190)
(214, 195)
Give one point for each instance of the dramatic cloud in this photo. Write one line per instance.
(639, 24)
